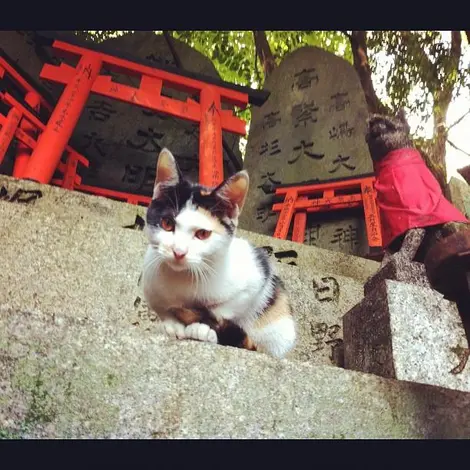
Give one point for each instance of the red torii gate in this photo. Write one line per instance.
(85, 78)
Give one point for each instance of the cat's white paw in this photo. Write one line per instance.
(201, 332)
(173, 329)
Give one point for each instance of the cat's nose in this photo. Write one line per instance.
(179, 254)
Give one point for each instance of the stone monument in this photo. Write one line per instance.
(311, 128)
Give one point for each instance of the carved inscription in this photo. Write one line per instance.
(269, 183)
(271, 148)
(339, 102)
(100, 110)
(345, 236)
(147, 141)
(22, 196)
(304, 148)
(340, 161)
(326, 289)
(304, 79)
(92, 140)
(312, 235)
(282, 256)
(341, 130)
(271, 119)
(304, 113)
(325, 335)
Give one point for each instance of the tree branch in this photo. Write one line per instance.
(358, 40)
(264, 52)
(171, 46)
(467, 33)
(458, 148)
(458, 121)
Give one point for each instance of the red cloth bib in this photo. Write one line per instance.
(409, 195)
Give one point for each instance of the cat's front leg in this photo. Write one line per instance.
(172, 328)
(201, 332)
(194, 328)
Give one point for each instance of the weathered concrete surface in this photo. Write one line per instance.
(459, 192)
(407, 332)
(50, 261)
(63, 378)
(65, 204)
(398, 269)
(80, 207)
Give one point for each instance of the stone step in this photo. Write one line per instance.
(62, 378)
(81, 207)
(91, 272)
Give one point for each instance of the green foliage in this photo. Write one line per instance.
(421, 69)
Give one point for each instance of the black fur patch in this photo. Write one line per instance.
(262, 257)
(386, 133)
(172, 199)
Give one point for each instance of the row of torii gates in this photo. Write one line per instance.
(41, 144)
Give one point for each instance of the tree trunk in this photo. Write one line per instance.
(264, 52)
(442, 99)
(358, 40)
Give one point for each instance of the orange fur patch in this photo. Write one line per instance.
(279, 309)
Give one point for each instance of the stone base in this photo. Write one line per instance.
(407, 332)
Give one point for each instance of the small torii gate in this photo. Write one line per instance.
(86, 78)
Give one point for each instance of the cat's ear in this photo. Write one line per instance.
(167, 171)
(401, 115)
(234, 190)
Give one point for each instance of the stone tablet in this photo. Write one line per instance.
(312, 127)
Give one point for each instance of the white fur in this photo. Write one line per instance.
(232, 281)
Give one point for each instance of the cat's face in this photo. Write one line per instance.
(188, 224)
(385, 134)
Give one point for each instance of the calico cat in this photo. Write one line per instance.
(204, 282)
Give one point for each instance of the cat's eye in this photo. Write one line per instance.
(203, 234)
(167, 224)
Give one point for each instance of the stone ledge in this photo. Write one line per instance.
(61, 380)
(91, 272)
(89, 209)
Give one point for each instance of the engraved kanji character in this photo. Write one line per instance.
(263, 213)
(269, 183)
(304, 112)
(304, 78)
(340, 101)
(341, 161)
(96, 142)
(312, 235)
(300, 150)
(326, 289)
(149, 142)
(271, 119)
(100, 111)
(347, 235)
(272, 148)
